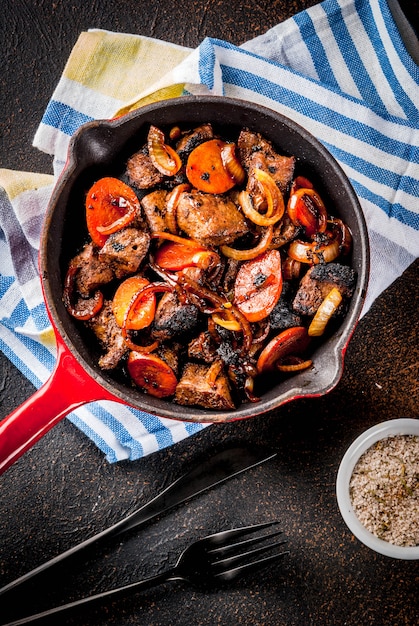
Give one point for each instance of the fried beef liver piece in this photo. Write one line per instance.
(141, 171)
(318, 282)
(93, 272)
(194, 389)
(109, 335)
(282, 315)
(257, 152)
(173, 319)
(154, 207)
(124, 250)
(209, 219)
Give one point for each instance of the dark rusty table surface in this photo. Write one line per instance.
(63, 490)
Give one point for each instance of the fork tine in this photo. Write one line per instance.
(232, 547)
(234, 572)
(225, 537)
(231, 566)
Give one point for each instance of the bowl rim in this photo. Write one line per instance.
(398, 426)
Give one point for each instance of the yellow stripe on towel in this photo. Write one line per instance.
(121, 66)
(15, 183)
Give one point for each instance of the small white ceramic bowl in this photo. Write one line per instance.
(403, 426)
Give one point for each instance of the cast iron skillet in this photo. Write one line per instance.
(101, 148)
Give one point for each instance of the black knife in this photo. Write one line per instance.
(214, 471)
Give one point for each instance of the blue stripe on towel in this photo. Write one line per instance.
(64, 118)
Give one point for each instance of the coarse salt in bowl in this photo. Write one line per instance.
(380, 432)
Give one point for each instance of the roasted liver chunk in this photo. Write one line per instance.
(110, 337)
(93, 271)
(124, 251)
(211, 220)
(257, 152)
(154, 207)
(141, 171)
(195, 390)
(319, 281)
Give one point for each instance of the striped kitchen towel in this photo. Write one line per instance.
(340, 69)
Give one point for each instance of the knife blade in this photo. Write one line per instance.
(212, 472)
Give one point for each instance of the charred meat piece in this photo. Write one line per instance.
(141, 171)
(154, 207)
(282, 315)
(196, 388)
(257, 152)
(170, 354)
(109, 335)
(173, 319)
(124, 251)
(201, 348)
(211, 220)
(189, 141)
(92, 270)
(318, 282)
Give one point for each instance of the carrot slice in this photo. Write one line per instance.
(206, 168)
(110, 206)
(142, 314)
(258, 285)
(151, 374)
(293, 340)
(174, 256)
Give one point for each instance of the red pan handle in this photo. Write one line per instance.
(68, 387)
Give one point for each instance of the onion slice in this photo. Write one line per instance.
(251, 253)
(159, 287)
(163, 157)
(272, 193)
(85, 309)
(252, 214)
(296, 364)
(325, 311)
(172, 201)
(228, 321)
(232, 164)
(314, 252)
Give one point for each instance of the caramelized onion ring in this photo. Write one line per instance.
(324, 313)
(295, 364)
(171, 206)
(151, 288)
(271, 192)
(252, 214)
(232, 164)
(252, 253)
(85, 308)
(163, 157)
(314, 252)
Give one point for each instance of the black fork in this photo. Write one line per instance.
(215, 559)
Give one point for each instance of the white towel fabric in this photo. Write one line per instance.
(340, 69)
